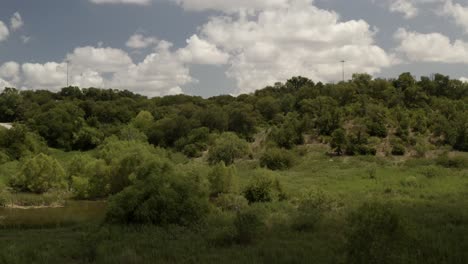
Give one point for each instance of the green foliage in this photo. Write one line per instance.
(289, 133)
(311, 208)
(226, 148)
(161, 198)
(459, 162)
(263, 187)
(195, 142)
(39, 175)
(59, 124)
(231, 202)
(374, 235)
(223, 180)
(339, 141)
(248, 226)
(277, 159)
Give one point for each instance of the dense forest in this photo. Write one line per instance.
(234, 173)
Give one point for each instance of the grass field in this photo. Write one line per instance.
(431, 202)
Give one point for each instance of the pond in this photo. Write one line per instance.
(74, 212)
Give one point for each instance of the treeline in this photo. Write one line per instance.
(355, 117)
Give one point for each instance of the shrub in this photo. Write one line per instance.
(40, 174)
(398, 150)
(227, 148)
(259, 190)
(231, 202)
(263, 188)
(222, 179)
(248, 226)
(310, 210)
(374, 233)
(339, 141)
(410, 181)
(160, 199)
(277, 159)
(458, 162)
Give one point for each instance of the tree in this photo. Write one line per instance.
(160, 198)
(39, 175)
(59, 124)
(339, 141)
(223, 180)
(226, 148)
(289, 133)
(268, 107)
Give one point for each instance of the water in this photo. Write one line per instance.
(75, 212)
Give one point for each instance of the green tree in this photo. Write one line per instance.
(339, 141)
(39, 175)
(226, 148)
(223, 180)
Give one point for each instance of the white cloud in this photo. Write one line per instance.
(88, 78)
(4, 32)
(138, 41)
(199, 51)
(230, 6)
(102, 60)
(9, 70)
(300, 39)
(406, 7)
(16, 21)
(49, 76)
(136, 2)
(160, 73)
(464, 79)
(458, 12)
(433, 47)
(4, 84)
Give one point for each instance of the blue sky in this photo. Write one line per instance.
(211, 47)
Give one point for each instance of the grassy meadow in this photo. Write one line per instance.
(429, 199)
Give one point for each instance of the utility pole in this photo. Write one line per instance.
(343, 71)
(67, 72)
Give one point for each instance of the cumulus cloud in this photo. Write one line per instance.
(138, 41)
(9, 70)
(160, 73)
(4, 84)
(49, 76)
(406, 7)
(136, 2)
(199, 51)
(102, 60)
(16, 21)
(300, 39)
(432, 47)
(4, 32)
(458, 12)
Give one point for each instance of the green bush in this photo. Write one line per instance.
(277, 159)
(310, 210)
(248, 226)
(222, 180)
(231, 202)
(374, 235)
(161, 199)
(263, 188)
(227, 148)
(398, 150)
(458, 162)
(259, 190)
(39, 175)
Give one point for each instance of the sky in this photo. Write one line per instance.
(213, 47)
